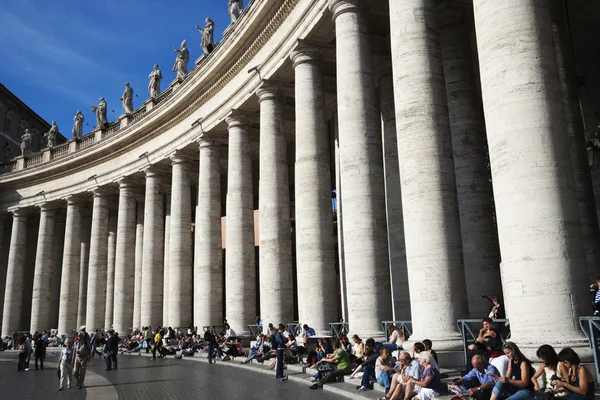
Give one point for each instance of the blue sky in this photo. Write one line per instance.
(60, 57)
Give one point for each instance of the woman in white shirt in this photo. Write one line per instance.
(65, 364)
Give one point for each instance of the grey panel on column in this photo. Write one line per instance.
(361, 168)
(432, 229)
(42, 296)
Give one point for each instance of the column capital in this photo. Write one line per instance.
(237, 118)
(207, 140)
(305, 53)
(101, 191)
(268, 91)
(73, 200)
(127, 182)
(47, 207)
(153, 171)
(338, 7)
(179, 157)
(19, 212)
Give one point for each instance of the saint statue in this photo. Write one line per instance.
(207, 36)
(26, 143)
(127, 99)
(77, 131)
(100, 110)
(183, 56)
(235, 9)
(154, 85)
(51, 135)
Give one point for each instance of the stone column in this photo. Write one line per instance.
(154, 224)
(317, 300)
(42, 279)
(541, 241)
(167, 254)
(475, 196)
(139, 265)
(15, 272)
(69, 284)
(361, 169)
(180, 261)
(208, 264)
(97, 269)
(110, 269)
(432, 229)
(393, 195)
(275, 247)
(5, 228)
(86, 222)
(577, 145)
(125, 257)
(240, 274)
(58, 247)
(339, 218)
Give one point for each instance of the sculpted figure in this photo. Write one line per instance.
(183, 56)
(235, 9)
(207, 36)
(78, 125)
(51, 135)
(127, 99)
(154, 85)
(100, 110)
(25, 143)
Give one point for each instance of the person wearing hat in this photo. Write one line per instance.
(83, 352)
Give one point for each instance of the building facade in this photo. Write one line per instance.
(451, 132)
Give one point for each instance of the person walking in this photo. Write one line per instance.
(19, 344)
(82, 356)
(108, 349)
(281, 341)
(157, 344)
(65, 363)
(95, 342)
(148, 337)
(40, 351)
(211, 340)
(28, 350)
(115, 349)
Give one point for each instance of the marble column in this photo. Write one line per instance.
(393, 195)
(69, 284)
(275, 246)
(576, 134)
(479, 234)
(240, 273)
(139, 265)
(86, 222)
(154, 224)
(361, 169)
(431, 220)
(13, 293)
(97, 268)
(58, 247)
(315, 252)
(339, 218)
(5, 230)
(167, 254)
(110, 268)
(125, 257)
(42, 279)
(180, 261)
(541, 241)
(208, 264)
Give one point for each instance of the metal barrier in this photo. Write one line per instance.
(467, 334)
(338, 328)
(406, 327)
(254, 331)
(294, 328)
(591, 328)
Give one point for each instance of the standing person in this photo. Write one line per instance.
(19, 344)
(115, 349)
(281, 341)
(94, 342)
(108, 349)
(211, 340)
(65, 363)
(40, 351)
(82, 356)
(595, 292)
(157, 344)
(28, 350)
(148, 338)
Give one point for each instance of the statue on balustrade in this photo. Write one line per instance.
(207, 43)
(127, 99)
(100, 110)
(154, 85)
(183, 56)
(235, 9)
(51, 135)
(77, 131)
(26, 143)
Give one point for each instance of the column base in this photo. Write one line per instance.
(444, 342)
(580, 344)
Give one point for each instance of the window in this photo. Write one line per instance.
(8, 123)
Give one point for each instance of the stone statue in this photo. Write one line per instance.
(100, 110)
(127, 99)
(207, 36)
(77, 131)
(183, 56)
(235, 9)
(51, 135)
(154, 85)
(26, 143)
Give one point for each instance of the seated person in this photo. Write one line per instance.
(488, 339)
(340, 360)
(429, 383)
(368, 369)
(517, 381)
(428, 344)
(478, 383)
(359, 348)
(306, 333)
(384, 369)
(579, 383)
(229, 333)
(408, 368)
(419, 348)
(550, 369)
(395, 338)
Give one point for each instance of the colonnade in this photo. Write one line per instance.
(417, 206)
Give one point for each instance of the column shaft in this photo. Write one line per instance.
(139, 265)
(167, 255)
(57, 253)
(86, 223)
(208, 264)
(42, 280)
(69, 284)
(110, 269)
(432, 229)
